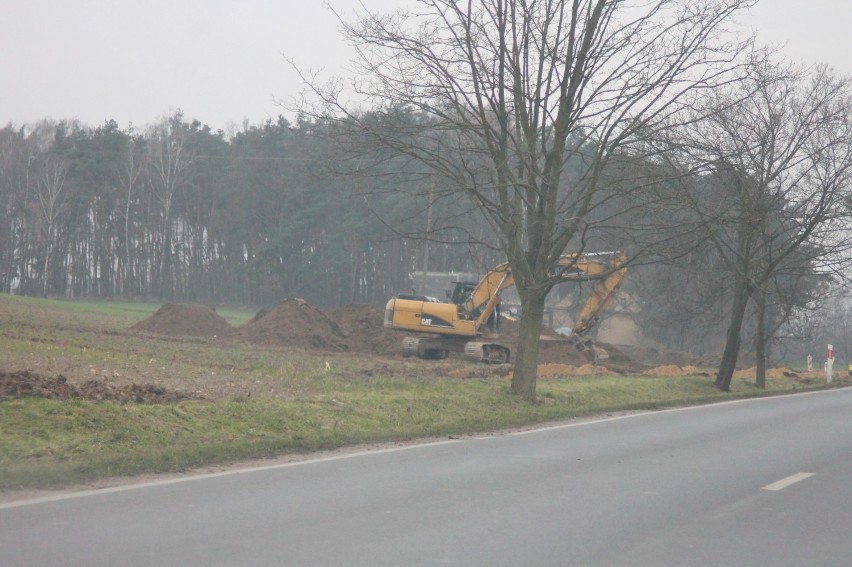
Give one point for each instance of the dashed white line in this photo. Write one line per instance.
(785, 482)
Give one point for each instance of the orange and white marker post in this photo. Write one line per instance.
(829, 362)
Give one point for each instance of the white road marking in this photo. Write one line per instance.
(785, 482)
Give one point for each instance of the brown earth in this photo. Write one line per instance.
(189, 319)
(32, 385)
(359, 328)
(352, 329)
(295, 323)
(365, 331)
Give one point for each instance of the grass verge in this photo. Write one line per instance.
(300, 403)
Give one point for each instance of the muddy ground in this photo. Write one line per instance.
(33, 385)
(294, 323)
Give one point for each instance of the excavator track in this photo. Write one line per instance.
(427, 348)
(432, 348)
(489, 353)
(409, 346)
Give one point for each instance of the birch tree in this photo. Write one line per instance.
(169, 166)
(129, 173)
(51, 195)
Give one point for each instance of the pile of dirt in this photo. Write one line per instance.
(365, 331)
(359, 328)
(553, 348)
(295, 323)
(189, 319)
(25, 384)
(562, 352)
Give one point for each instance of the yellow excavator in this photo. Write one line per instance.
(469, 322)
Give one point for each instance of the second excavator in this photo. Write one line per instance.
(469, 322)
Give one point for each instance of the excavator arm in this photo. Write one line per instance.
(482, 301)
(602, 294)
(485, 297)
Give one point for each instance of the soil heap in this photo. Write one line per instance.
(296, 323)
(355, 328)
(555, 349)
(27, 384)
(365, 331)
(189, 319)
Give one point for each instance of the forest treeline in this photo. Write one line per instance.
(179, 212)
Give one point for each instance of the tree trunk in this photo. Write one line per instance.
(760, 338)
(732, 344)
(526, 360)
(46, 271)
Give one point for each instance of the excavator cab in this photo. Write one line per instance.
(462, 292)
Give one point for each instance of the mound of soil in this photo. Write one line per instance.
(365, 331)
(27, 384)
(562, 352)
(359, 328)
(189, 319)
(297, 323)
(553, 348)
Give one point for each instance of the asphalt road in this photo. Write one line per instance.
(760, 482)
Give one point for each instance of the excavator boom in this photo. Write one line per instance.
(602, 295)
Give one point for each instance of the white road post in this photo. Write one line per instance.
(829, 361)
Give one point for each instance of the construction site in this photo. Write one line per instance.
(295, 326)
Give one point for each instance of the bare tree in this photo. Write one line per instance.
(14, 191)
(169, 165)
(23, 153)
(52, 197)
(128, 174)
(515, 89)
(780, 145)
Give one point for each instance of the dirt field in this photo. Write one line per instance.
(338, 336)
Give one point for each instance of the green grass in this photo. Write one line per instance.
(295, 404)
(119, 313)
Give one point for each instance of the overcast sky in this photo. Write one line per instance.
(222, 61)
